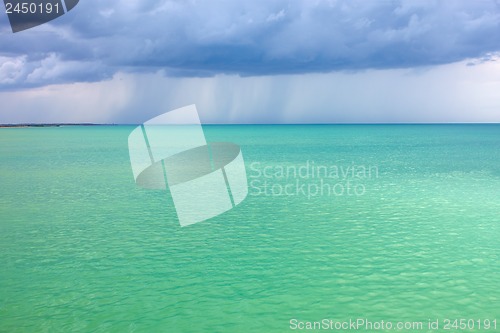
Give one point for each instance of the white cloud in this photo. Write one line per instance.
(11, 69)
(276, 16)
(51, 68)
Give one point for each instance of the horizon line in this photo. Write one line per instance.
(250, 124)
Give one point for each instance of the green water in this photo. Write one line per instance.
(82, 249)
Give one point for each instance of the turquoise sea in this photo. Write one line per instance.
(82, 249)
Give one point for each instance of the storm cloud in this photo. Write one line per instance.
(247, 38)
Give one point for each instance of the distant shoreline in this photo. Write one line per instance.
(50, 125)
(212, 124)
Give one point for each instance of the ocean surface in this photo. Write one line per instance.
(399, 223)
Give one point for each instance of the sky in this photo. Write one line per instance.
(294, 61)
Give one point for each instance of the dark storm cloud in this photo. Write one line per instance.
(203, 38)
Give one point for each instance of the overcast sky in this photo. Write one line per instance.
(256, 62)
